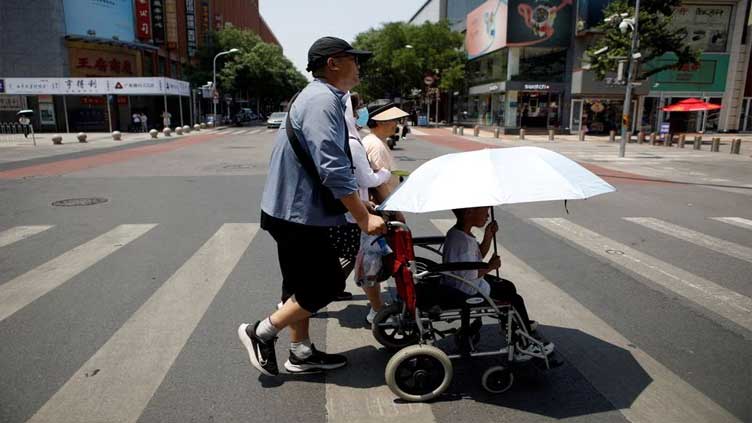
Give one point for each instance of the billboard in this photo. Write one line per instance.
(709, 75)
(100, 18)
(706, 27)
(540, 23)
(486, 28)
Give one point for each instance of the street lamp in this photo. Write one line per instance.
(624, 26)
(214, 81)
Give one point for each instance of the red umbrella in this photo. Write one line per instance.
(691, 105)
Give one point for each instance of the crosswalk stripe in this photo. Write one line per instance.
(667, 398)
(133, 363)
(718, 245)
(418, 132)
(21, 291)
(724, 302)
(258, 131)
(19, 233)
(736, 221)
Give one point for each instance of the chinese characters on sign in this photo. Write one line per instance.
(143, 20)
(97, 86)
(171, 24)
(704, 27)
(205, 21)
(86, 62)
(157, 19)
(190, 26)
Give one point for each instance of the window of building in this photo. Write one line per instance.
(541, 64)
(162, 69)
(173, 69)
(148, 67)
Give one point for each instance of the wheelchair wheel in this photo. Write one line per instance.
(419, 373)
(497, 379)
(388, 333)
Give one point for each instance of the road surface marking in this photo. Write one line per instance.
(258, 131)
(665, 396)
(132, 364)
(718, 245)
(19, 233)
(736, 221)
(270, 130)
(21, 291)
(346, 401)
(724, 302)
(417, 132)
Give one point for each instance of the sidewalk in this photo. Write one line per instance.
(24, 149)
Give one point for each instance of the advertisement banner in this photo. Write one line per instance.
(706, 27)
(539, 23)
(157, 21)
(112, 19)
(190, 26)
(97, 86)
(12, 103)
(486, 28)
(709, 76)
(143, 20)
(171, 23)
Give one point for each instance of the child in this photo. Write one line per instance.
(461, 246)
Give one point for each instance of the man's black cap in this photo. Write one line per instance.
(326, 47)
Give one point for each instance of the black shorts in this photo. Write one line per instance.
(310, 267)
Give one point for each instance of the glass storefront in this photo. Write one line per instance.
(538, 109)
(653, 115)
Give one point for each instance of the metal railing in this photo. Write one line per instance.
(14, 132)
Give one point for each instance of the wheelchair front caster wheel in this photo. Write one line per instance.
(419, 373)
(497, 379)
(389, 332)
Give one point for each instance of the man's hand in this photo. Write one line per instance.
(368, 223)
(374, 225)
(494, 263)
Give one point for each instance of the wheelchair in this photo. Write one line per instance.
(419, 370)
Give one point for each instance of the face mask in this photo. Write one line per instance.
(362, 117)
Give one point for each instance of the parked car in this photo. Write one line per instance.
(275, 120)
(245, 116)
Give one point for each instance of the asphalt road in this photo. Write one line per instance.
(126, 310)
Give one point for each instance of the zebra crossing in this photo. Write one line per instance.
(139, 354)
(256, 131)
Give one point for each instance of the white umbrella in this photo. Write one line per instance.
(493, 177)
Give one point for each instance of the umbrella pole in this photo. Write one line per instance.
(496, 252)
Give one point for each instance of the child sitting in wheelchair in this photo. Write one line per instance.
(461, 246)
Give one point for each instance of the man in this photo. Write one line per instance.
(295, 214)
(382, 123)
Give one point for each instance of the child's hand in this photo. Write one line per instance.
(492, 228)
(494, 263)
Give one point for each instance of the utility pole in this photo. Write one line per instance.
(626, 131)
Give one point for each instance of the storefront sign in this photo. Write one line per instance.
(97, 86)
(12, 103)
(143, 20)
(665, 128)
(171, 23)
(111, 19)
(84, 62)
(157, 21)
(2, 86)
(706, 26)
(709, 76)
(540, 23)
(536, 87)
(205, 22)
(190, 26)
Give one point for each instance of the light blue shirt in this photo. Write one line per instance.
(318, 119)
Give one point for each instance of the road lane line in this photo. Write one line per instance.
(716, 244)
(724, 302)
(23, 290)
(19, 233)
(347, 401)
(258, 131)
(118, 381)
(736, 221)
(666, 398)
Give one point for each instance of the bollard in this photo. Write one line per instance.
(154, 133)
(716, 146)
(462, 130)
(582, 135)
(698, 142)
(736, 146)
(641, 137)
(186, 128)
(497, 132)
(57, 139)
(476, 130)
(454, 130)
(612, 136)
(669, 140)
(81, 137)
(682, 140)
(522, 133)
(178, 130)
(202, 126)
(197, 127)
(550, 134)
(116, 136)
(167, 131)
(653, 138)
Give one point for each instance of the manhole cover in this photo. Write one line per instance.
(238, 166)
(75, 202)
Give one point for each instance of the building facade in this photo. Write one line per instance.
(112, 38)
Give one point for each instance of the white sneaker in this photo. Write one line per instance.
(370, 316)
(524, 354)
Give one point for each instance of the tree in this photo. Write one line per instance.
(657, 37)
(396, 70)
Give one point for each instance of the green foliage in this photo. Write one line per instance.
(656, 37)
(396, 70)
(258, 70)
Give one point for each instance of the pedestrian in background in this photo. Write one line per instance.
(310, 186)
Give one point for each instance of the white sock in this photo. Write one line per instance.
(301, 349)
(266, 329)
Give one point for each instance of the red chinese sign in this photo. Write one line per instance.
(143, 20)
(85, 62)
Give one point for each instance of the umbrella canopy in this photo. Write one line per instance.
(691, 105)
(493, 177)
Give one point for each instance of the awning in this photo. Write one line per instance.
(691, 105)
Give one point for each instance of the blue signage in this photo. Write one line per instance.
(665, 128)
(2, 85)
(111, 19)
